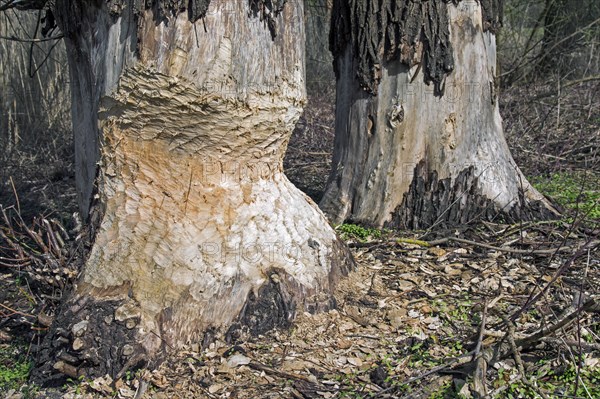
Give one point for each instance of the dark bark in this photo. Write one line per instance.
(197, 9)
(89, 338)
(431, 201)
(492, 15)
(268, 11)
(414, 32)
(78, 23)
(277, 302)
(319, 62)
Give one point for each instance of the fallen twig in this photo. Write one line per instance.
(261, 367)
(534, 297)
(590, 304)
(510, 336)
(16, 311)
(482, 328)
(479, 385)
(550, 251)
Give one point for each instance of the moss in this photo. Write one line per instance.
(560, 381)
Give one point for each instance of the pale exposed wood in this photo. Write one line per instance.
(201, 233)
(197, 210)
(384, 143)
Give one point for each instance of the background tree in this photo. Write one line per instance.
(319, 70)
(34, 94)
(549, 97)
(546, 40)
(308, 158)
(418, 133)
(181, 116)
(571, 30)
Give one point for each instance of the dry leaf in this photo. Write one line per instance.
(344, 343)
(355, 361)
(453, 269)
(215, 388)
(237, 360)
(437, 251)
(405, 285)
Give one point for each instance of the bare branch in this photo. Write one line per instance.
(20, 39)
(23, 4)
(8, 4)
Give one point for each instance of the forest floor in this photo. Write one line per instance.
(507, 311)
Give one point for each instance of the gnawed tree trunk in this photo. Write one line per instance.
(200, 232)
(419, 137)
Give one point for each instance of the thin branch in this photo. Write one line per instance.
(8, 5)
(37, 27)
(533, 59)
(24, 5)
(583, 80)
(280, 373)
(457, 361)
(16, 311)
(482, 329)
(579, 345)
(23, 40)
(48, 54)
(533, 298)
(550, 251)
(517, 357)
(589, 305)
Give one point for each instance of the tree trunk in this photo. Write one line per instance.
(33, 87)
(419, 137)
(319, 69)
(200, 232)
(571, 30)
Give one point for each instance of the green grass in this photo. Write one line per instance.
(14, 367)
(446, 391)
(554, 382)
(349, 231)
(589, 381)
(574, 191)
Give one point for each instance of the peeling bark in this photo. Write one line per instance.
(413, 32)
(200, 233)
(431, 201)
(408, 156)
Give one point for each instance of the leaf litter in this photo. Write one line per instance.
(496, 312)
